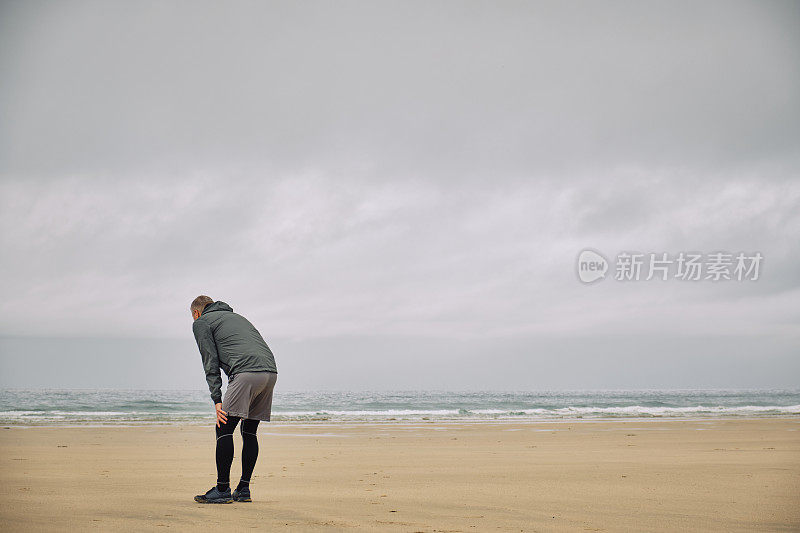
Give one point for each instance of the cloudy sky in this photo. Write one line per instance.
(396, 193)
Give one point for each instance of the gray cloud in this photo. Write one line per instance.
(450, 89)
(419, 171)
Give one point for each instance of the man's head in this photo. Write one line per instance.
(198, 304)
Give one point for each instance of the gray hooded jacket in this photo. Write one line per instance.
(230, 342)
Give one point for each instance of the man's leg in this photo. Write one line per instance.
(225, 452)
(249, 451)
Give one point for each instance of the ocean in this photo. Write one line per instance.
(136, 407)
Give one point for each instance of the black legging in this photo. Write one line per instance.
(225, 450)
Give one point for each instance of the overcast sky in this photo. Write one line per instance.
(395, 193)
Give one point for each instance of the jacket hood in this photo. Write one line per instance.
(217, 306)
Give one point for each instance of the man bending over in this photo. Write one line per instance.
(230, 342)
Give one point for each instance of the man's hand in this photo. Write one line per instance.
(222, 416)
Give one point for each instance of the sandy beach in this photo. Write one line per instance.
(633, 475)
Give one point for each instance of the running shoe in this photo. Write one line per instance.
(214, 496)
(242, 495)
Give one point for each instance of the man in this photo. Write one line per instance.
(230, 342)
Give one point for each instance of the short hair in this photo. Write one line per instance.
(200, 303)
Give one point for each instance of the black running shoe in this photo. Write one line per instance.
(242, 495)
(214, 496)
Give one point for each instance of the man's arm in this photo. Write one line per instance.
(208, 351)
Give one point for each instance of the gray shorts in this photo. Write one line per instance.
(249, 395)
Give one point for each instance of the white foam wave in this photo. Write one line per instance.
(631, 411)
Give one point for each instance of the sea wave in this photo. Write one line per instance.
(44, 417)
(632, 411)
